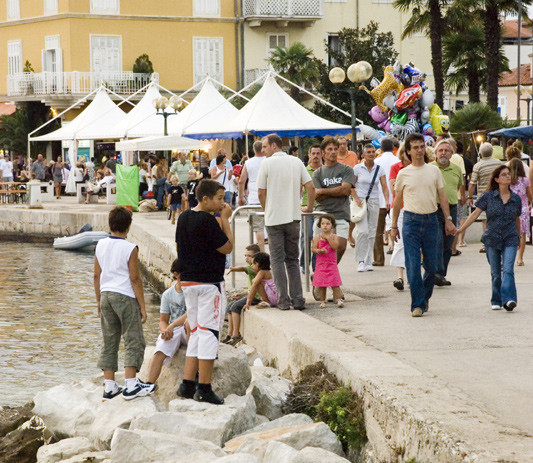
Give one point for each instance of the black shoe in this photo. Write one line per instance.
(302, 307)
(226, 339)
(187, 390)
(482, 250)
(389, 252)
(110, 395)
(509, 306)
(398, 284)
(208, 396)
(441, 281)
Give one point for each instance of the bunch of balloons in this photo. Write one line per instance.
(404, 104)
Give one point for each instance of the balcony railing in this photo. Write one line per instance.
(73, 83)
(286, 9)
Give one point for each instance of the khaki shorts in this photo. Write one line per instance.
(341, 229)
(258, 223)
(121, 315)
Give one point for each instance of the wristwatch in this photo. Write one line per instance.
(449, 218)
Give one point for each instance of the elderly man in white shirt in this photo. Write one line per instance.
(386, 160)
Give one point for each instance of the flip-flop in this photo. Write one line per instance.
(456, 253)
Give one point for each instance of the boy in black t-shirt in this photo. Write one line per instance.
(192, 183)
(202, 246)
(174, 198)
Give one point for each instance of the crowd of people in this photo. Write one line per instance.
(411, 197)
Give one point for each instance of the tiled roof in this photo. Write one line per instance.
(6, 109)
(508, 79)
(510, 29)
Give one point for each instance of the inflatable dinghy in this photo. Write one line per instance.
(80, 240)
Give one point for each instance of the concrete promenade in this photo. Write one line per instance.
(478, 362)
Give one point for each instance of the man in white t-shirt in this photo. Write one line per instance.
(2, 162)
(250, 173)
(7, 170)
(386, 160)
(279, 185)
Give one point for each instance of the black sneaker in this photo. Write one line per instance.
(398, 284)
(110, 395)
(186, 391)
(209, 397)
(509, 306)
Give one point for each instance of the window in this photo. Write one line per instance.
(502, 105)
(206, 7)
(276, 40)
(334, 45)
(13, 9)
(105, 6)
(52, 57)
(106, 53)
(14, 57)
(50, 7)
(208, 58)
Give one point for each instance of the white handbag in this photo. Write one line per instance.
(357, 213)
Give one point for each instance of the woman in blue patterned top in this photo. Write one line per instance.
(501, 236)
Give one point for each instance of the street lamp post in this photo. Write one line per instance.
(160, 104)
(357, 73)
(524, 93)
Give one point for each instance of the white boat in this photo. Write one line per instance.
(80, 240)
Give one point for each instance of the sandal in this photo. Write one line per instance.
(456, 253)
(340, 303)
(520, 263)
(398, 284)
(322, 305)
(263, 305)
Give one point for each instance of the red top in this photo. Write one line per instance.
(395, 168)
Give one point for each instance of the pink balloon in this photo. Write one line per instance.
(378, 114)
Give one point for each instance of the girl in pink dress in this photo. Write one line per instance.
(263, 283)
(520, 186)
(327, 272)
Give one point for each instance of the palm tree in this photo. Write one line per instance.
(426, 16)
(477, 116)
(297, 64)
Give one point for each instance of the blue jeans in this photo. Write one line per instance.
(503, 284)
(445, 241)
(307, 220)
(160, 186)
(420, 237)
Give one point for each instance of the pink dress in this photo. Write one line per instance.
(520, 188)
(271, 291)
(326, 272)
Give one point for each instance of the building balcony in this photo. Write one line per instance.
(61, 89)
(282, 11)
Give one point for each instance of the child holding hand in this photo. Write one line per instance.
(327, 273)
(263, 283)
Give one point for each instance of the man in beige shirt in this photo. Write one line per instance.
(417, 187)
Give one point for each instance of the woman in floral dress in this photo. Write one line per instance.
(520, 186)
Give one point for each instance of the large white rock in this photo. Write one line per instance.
(63, 449)
(150, 446)
(78, 410)
(214, 423)
(298, 437)
(197, 457)
(251, 445)
(239, 458)
(92, 457)
(292, 419)
(277, 452)
(314, 454)
(269, 390)
(231, 374)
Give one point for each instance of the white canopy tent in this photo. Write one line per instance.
(204, 112)
(91, 124)
(271, 110)
(171, 142)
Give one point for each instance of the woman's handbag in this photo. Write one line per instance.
(358, 213)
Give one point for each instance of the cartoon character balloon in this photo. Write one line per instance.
(408, 97)
(387, 85)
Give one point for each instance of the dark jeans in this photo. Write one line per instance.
(502, 274)
(312, 257)
(445, 241)
(283, 243)
(159, 186)
(420, 237)
(379, 254)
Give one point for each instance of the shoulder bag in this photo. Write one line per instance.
(357, 213)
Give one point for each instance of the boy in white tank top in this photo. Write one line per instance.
(120, 298)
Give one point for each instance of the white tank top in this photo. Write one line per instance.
(223, 178)
(252, 168)
(113, 255)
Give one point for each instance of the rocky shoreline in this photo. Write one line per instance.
(70, 423)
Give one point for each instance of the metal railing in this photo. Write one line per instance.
(284, 8)
(68, 83)
(257, 207)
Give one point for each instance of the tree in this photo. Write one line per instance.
(477, 116)
(365, 44)
(426, 16)
(143, 65)
(297, 64)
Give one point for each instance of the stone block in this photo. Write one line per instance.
(64, 449)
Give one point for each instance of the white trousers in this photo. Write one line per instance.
(366, 233)
(206, 306)
(398, 256)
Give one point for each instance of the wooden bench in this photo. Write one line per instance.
(13, 196)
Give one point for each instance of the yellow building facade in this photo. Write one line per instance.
(74, 46)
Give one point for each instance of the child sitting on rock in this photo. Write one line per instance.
(263, 283)
(120, 299)
(235, 306)
(173, 326)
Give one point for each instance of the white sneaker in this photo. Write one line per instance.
(495, 307)
(361, 267)
(369, 268)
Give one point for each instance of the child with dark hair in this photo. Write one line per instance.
(175, 198)
(173, 327)
(263, 283)
(327, 275)
(120, 298)
(235, 307)
(202, 245)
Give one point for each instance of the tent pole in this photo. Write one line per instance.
(194, 86)
(28, 153)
